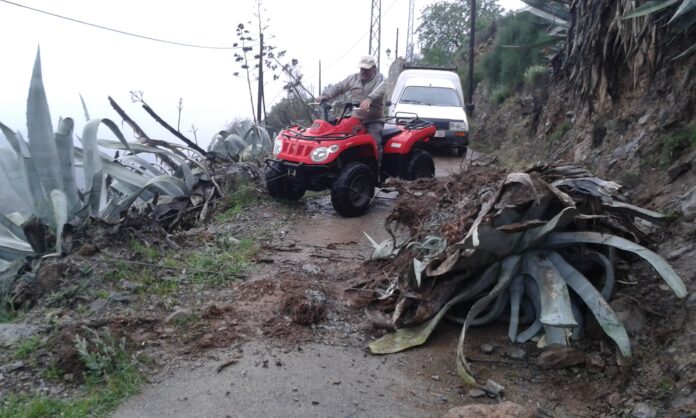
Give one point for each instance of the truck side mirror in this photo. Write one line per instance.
(388, 103)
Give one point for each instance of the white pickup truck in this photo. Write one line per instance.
(434, 95)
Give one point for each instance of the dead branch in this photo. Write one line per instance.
(171, 129)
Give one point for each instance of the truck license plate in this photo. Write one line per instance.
(439, 133)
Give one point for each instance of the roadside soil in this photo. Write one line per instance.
(277, 339)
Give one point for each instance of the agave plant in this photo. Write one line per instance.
(41, 173)
(535, 250)
(241, 141)
(606, 36)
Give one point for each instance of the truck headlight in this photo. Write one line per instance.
(458, 126)
(277, 145)
(320, 154)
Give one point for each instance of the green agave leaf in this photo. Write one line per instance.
(685, 7)
(648, 215)
(12, 166)
(508, 270)
(555, 300)
(609, 277)
(60, 215)
(94, 178)
(12, 247)
(66, 158)
(601, 310)
(41, 143)
(115, 207)
(650, 7)
(84, 108)
(12, 227)
(560, 239)
(548, 16)
(689, 51)
(35, 199)
(406, 338)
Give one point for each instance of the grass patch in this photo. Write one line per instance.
(111, 376)
(499, 94)
(235, 202)
(147, 254)
(218, 265)
(676, 144)
(26, 347)
(562, 129)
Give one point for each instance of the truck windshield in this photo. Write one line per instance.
(431, 96)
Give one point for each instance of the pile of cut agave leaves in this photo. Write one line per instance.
(541, 248)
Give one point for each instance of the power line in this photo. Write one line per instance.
(117, 30)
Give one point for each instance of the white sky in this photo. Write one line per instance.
(78, 59)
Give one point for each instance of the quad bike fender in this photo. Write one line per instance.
(404, 142)
(300, 150)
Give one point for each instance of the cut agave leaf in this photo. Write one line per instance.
(533, 292)
(559, 239)
(516, 292)
(601, 310)
(14, 228)
(508, 270)
(555, 300)
(406, 338)
(650, 7)
(66, 159)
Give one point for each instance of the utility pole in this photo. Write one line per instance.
(376, 30)
(319, 93)
(260, 98)
(396, 52)
(409, 30)
(472, 34)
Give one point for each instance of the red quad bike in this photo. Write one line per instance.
(342, 156)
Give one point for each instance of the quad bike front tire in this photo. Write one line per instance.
(279, 185)
(420, 164)
(353, 189)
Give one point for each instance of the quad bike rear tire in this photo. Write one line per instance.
(353, 189)
(420, 164)
(279, 185)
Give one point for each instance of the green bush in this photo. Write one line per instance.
(535, 76)
(518, 46)
(499, 94)
(676, 143)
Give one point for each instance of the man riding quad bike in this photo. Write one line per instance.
(342, 155)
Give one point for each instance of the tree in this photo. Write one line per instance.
(445, 27)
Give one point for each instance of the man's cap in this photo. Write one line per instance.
(367, 62)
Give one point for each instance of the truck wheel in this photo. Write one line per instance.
(278, 184)
(353, 189)
(459, 151)
(420, 164)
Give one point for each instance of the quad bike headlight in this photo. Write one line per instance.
(333, 148)
(458, 126)
(277, 145)
(320, 154)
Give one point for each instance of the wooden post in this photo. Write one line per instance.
(259, 98)
(472, 34)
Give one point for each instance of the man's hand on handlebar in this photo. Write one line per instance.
(320, 99)
(365, 104)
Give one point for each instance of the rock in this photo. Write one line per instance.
(435, 377)
(487, 348)
(177, 315)
(49, 275)
(683, 401)
(493, 388)
(517, 353)
(614, 399)
(311, 268)
(13, 367)
(595, 363)
(691, 300)
(559, 357)
(88, 250)
(643, 119)
(679, 252)
(505, 409)
(643, 410)
(477, 393)
(688, 205)
(130, 286)
(97, 305)
(678, 169)
(120, 297)
(11, 333)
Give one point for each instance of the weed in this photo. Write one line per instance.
(218, 265)
(111, 376)
(560, 131)
(67, 295)
(535, 76)
(26, 347)
(499, 94)
(148, 254)
(235, 202)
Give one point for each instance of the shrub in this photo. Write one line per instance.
(535, 76)
(499, 94)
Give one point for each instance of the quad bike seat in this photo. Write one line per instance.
(389, 132)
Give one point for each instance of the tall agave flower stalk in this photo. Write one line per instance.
(41, 174)
(529, 252)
